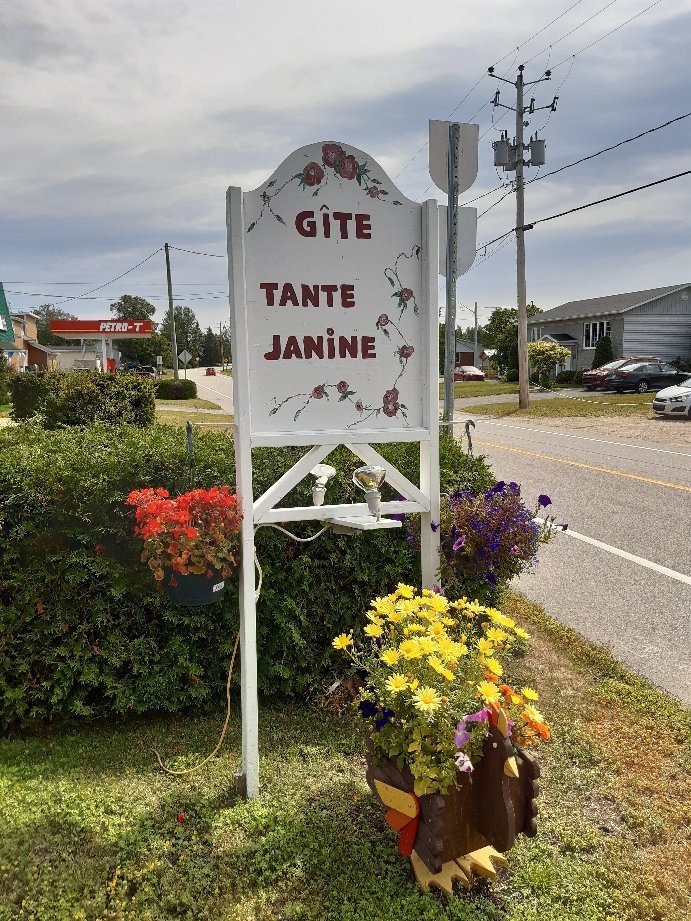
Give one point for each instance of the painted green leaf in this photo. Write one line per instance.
(359, 179)
(253, 225)
(395, 202)
(383, 192)
(391, 281)
(273, 182)
(386, 333)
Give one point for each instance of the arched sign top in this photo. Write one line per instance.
(338, 302)
(318, 167)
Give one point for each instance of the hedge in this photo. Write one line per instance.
(176, 390)
(84, 629)
(63, 398)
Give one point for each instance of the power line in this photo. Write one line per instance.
(77, 297)
(575, 29)
(195, 252)
(611, 32)
(600, 201)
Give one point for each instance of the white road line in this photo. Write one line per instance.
(663, 570)
(621, 444)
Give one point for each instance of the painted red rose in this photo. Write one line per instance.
(383, 320)
(313, 174)
(319, 393)
(390, 409)
(342, 387)
(406, 351)
(332, 155)
(406, 294)
(359, 406)
(348, 167)
(391, 396)
(373, 191)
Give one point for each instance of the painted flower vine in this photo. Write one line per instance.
(336, 164)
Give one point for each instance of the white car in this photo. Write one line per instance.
(674, 401)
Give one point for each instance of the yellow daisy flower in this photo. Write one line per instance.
(426, 700)
(485, 647)
(390, 656)
(530, 694)
(493, 666)
(436, 630)
(524, 635)
(396, 683)
(342, 641)
(488, 692)
(395, 617)
(427, 644)
(373, 630)
(410, 649)
(532, 714)
(404, 591)
(413, 628)
(497, 636)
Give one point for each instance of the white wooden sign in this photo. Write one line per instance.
(334, 317)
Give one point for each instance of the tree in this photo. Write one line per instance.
(211, 349)
(501, 333)
(603, 352)
(188, 333)
(544, 356)
(45, 313)
(138, 351)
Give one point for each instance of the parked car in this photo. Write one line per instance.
(674, 401)
(210, 372)
(596, 376)
(468, 373)
(642, 376)
(147, 371)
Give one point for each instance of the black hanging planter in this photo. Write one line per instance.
(193, 590)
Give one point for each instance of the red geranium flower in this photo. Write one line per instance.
(319, 393)
(373, 191)
(342, 387)
(332, 154)
(406, 294)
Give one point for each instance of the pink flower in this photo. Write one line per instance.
(391, 396)
(373, 191)
(313, 174)
(319, 393)
(406, 294)
(359, 406)
(332, 155)
(406, 351)
(383, 320)
(390, 409)
(342, 387)
(348, 167)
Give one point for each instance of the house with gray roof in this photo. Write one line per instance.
(656, 322)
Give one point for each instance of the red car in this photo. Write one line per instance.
(594, 379)
(468, 373)
(210, 372)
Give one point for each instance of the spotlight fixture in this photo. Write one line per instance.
(322, 474)
(369, 479)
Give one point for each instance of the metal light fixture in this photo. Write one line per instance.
(322, 473)
(369, 479)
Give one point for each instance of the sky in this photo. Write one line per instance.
(124, 123)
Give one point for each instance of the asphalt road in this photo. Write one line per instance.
(632, 499)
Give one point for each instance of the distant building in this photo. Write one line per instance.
(465, 353)
(656, 322)
(24, 351)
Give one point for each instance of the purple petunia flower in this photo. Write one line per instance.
(434, 525)
(384, 719)
(461, 738)
(367, 709)
(544, 501)
(463, 763)
(459, 543)
(482, 716)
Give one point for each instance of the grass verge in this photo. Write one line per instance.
(92, 830)
(628, 404)
(173, 417)
(5, 409)
(479, 389)
(185, 404)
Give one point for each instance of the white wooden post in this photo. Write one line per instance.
(429, 450)
(243, 478)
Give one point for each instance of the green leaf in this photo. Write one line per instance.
(386, 332)
(273, 182)
(395, 202)
(279, 219)
(391, 281)
(383, 192)
(252, 226)
(359, 179)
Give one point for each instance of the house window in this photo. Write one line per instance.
(594, 331)
(535, 333)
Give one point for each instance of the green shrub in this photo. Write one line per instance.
(565, 377)
(176, 390)
(512, 375)
(603, 352)
(4, 380)
(84, 628)
(578, 377)
(65, 398)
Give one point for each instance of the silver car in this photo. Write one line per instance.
(674, 401)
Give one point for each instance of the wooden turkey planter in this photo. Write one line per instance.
(466, 830)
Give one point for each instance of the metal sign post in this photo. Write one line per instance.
(185, 357)
(333, 299)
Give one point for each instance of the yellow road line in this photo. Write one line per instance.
(562, 460)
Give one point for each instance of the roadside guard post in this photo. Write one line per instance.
(334, 316)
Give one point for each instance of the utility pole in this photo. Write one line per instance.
(475, 355)
(451, 270)
(510, 157)
(220, 336)
(173, 339)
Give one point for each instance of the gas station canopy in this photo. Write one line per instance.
(102, 329)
